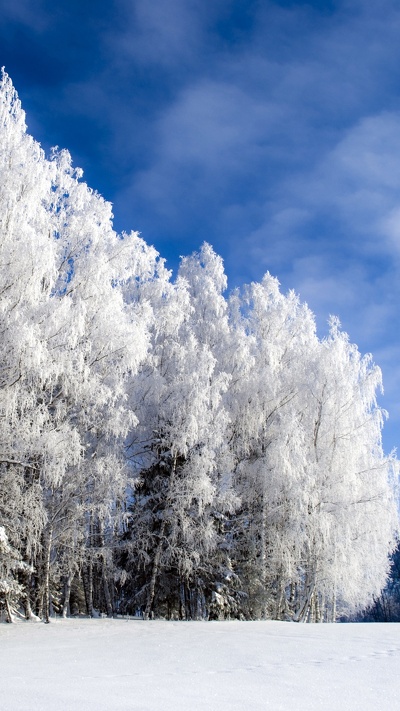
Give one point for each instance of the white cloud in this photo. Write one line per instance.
(357, 183)
(162, 32)
(31, 14)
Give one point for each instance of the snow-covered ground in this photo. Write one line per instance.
(121, 665)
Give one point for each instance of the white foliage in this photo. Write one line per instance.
(255, 448)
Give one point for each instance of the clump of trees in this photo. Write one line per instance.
(386, 606)
(164, 447)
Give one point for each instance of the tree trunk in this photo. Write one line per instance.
(8, 610)
(319, 608)
(263, 559)
(67, 592)
(155, 571)
(87, 580)
(107, 595)
(188, 602)
(280, 607)
(301, 614)
(46, 590)
(27, 597)
(334, 606)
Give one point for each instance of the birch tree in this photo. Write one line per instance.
(267, 439)
(351, 514)
(70, 339)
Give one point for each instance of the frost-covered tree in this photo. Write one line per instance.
(108, 339)
(27, 264)
(310, 471)
(71, 339)
(348, 483)
(267, 439)
(181, 427)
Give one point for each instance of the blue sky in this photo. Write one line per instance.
(269, 129)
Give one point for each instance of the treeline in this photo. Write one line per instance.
(386, 607)
(164, 448)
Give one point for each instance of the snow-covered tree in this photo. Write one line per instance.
(178, 400)
(267, 440)
(71, 340)
(348, 483)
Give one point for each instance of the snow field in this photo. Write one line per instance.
(132, 665)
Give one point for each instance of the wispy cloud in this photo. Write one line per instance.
(360, 176)
(161, 33)
(31, 13)
(270, 129)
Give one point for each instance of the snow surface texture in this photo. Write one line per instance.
(121, 665)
